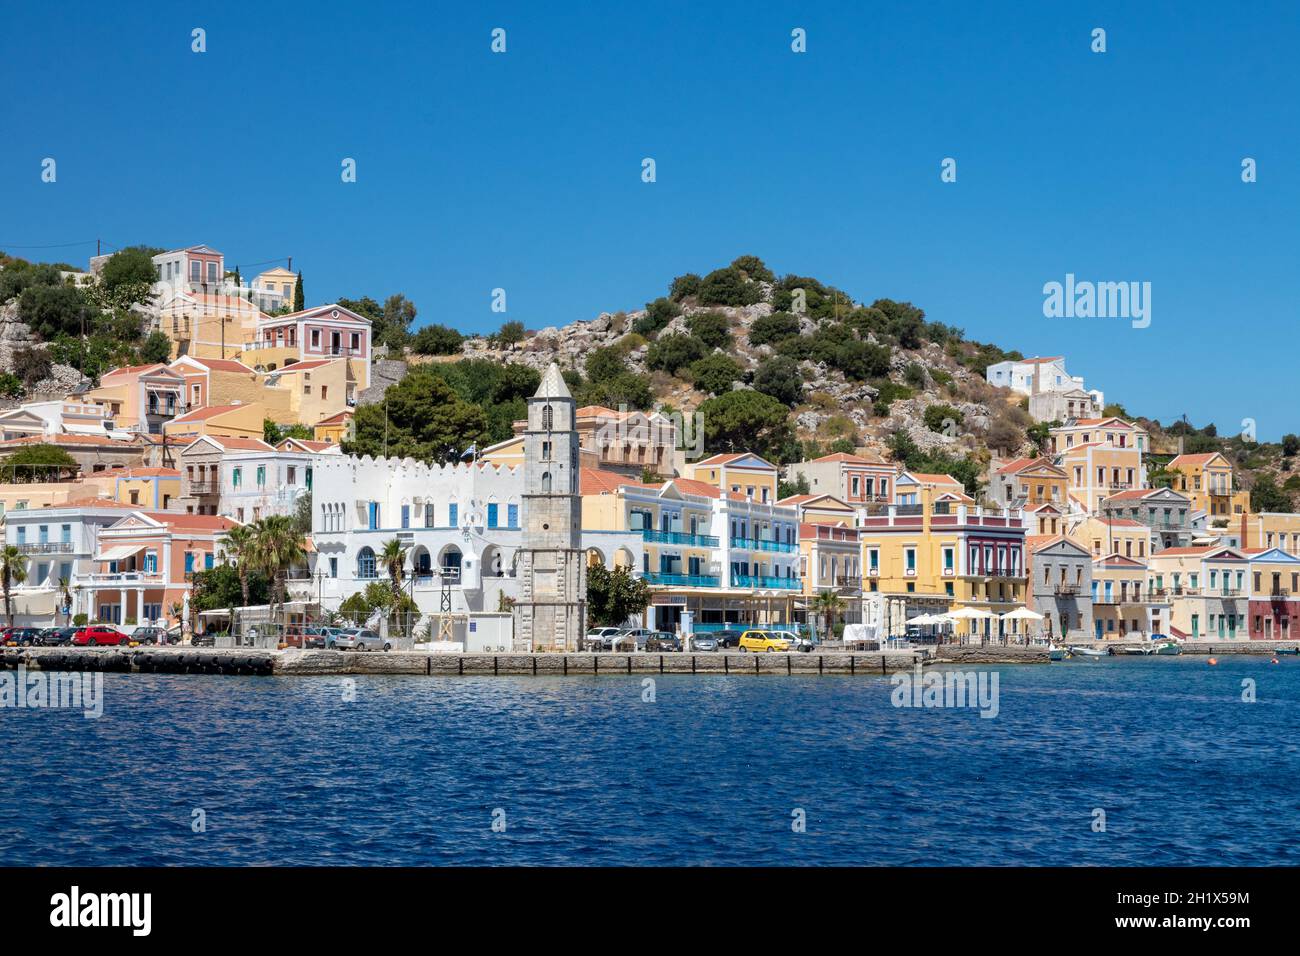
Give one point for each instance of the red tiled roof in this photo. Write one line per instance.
(223, 365)
(100, 441)
(146, 473)
(306, 366)
(1193, 459)
(309, 444)
(206, 412)
(126, 369)
(929, 478)
(850, 459)
(183, 521)
(595, 481)
(336, 417)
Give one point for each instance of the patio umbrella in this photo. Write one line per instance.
(968, 614)
(1022, 614)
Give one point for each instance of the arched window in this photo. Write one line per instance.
(366, 564)
(546, 480)
(548, 417)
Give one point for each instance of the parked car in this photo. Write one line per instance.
(93, 635)
(661, 641)
(626, 638)
(704, 642)
(596, 636)
(55, 636)
(151, 635)
(765, 641)
(796, 641)
(728, 638)
(359, 639)
(23, 636)
(204, 640)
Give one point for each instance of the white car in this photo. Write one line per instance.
(359, 639)
(796, 642)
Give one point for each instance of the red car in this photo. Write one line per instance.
(98, 634)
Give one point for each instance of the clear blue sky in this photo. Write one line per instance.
(522, 170)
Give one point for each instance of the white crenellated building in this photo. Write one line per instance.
(459, 523)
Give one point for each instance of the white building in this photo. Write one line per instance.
(1030, 375)
(58, 417)
(460, 525)
(60, 543)
(257, 484)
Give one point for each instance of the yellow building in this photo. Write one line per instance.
(1208, 589)
(208, 325)
(742, 474)
(30, 495)
(1269, 529)
(1097, 471)
(151, 488)
(1211, 483)
(1123, 607)
(1028, 482)
(821, 509)
(231, 421)
(947, 554)
(336, 429)
(139, 398)
(307, 392)
(1106, 536)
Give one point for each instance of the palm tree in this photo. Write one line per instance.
(13, 570)
(276, 547)
(394, 558)
(239, 540)
(828, 604)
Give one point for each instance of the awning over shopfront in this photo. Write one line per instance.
(118, 552)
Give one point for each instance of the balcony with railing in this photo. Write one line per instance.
(45, 547)
(1066, 590)
(765, 581)
(668, 579)
(848, 582)
(205, 487)
(652, 536)
(121, 579)
(762, 544)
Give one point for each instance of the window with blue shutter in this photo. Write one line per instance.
(512, 516)
(406, 516)
(189, 562)
(452, 514)
(492, 515)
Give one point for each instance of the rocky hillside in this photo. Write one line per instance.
(861, 373)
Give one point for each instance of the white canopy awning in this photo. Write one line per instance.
(118, 552)
(1022, 614)
(969, 614)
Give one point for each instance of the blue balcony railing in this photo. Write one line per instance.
(679, 537)
(765, 581)
(762, 544)
(682, 580)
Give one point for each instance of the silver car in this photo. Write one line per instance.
(359, 639)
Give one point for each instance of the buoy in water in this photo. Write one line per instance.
(1212, 661)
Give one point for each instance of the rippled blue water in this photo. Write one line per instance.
(410, 772)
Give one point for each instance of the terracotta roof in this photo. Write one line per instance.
(1193, 459)
(145, 473)
(850, 459)
(1048, 358)
(1117, 558)
(1017, 464)
(96, 503)
(206, 412)
(306, 366)
(222, 365)
(71, 439)
(692, 487)
(337, 417)
(719, 459)
(239, 444)
(594, 481)
(929, 478)
(125, 369)
(182, 520)
(1036, 542)
(1180, 552)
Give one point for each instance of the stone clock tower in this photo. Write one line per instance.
(551, 609)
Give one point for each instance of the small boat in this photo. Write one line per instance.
(1287, 650)
(1167, 648)
(1140, 649)
(1080, 651)
(1055, 653)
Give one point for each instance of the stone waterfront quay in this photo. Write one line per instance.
(314, 663)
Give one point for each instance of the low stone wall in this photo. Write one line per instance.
(296, 662)
(1238, 647)
(992, 654)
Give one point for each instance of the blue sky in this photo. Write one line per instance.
(522, 170)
